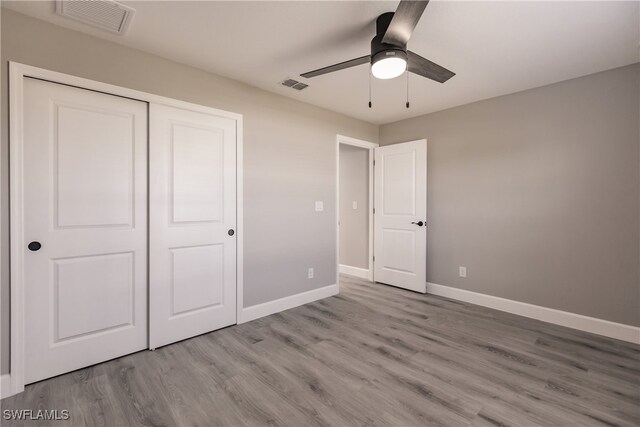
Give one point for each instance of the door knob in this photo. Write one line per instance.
(419, 223)
(231, 232)
(34, 246)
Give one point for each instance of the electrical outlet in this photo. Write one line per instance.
(319, 206)
(355, 205)
(310, 273)
(462, 271)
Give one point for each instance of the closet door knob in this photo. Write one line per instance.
(34, 246)
(231, 232)
(419, 223)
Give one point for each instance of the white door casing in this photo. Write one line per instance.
(400, 242)
(370, 146)
(192, 210)
(85, 201)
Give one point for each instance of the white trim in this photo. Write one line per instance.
(17, 74)
(371, 146)
(239, 218)
(5, 386)
(261, 310)
(16, 235)
(356, 142)
(3, 378)
(558, 317)
(362, 273)
(23, 70)
(338, 211)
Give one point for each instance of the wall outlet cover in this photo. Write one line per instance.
(310, 273)
(319, 206)
(462, 271)
(355, 205)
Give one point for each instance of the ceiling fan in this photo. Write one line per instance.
(389, 55)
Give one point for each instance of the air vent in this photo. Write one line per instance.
(294, 84)
(104, 14)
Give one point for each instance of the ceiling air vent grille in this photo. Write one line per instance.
(105, 14)
(294, 84)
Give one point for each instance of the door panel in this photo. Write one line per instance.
(85, 201)
(193, 207)
(398, 171)
(400, 245)
(398, 250)
(197, 174)
(105, 305)
(104, 176)
(194, 269)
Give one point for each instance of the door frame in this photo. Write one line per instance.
(371, 146)
(17, 74)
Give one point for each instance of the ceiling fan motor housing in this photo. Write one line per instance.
(380, 50)
(389, 56)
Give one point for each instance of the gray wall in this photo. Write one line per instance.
(537, 194)
(354, 223)
(289, 150)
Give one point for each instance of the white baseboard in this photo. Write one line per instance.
(362, 273)
(261, 310)
(5, 386)
(563, 318)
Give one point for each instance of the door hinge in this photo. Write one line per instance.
(374, 258)
(374, 210)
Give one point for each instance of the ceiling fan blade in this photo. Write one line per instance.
(404, 21)
(337, 67)
(425, 68)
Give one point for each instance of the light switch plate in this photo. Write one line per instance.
(355, 205)
(310, 273)
(319, 206)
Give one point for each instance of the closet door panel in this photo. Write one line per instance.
(192, 223)
(85, 227)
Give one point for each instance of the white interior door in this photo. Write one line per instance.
(85, 203)
(192, 222)
(400, 231)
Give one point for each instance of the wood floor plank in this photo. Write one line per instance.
(372, 355)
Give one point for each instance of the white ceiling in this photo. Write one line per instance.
(494, 47)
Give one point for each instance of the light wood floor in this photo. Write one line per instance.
(374, 355)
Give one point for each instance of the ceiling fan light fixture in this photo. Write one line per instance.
(389, 56)
(389, 64)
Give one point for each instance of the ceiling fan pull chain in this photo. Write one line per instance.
(370, 89)
(407, 73)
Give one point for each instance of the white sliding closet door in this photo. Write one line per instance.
(84, 227)
(192, 217)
